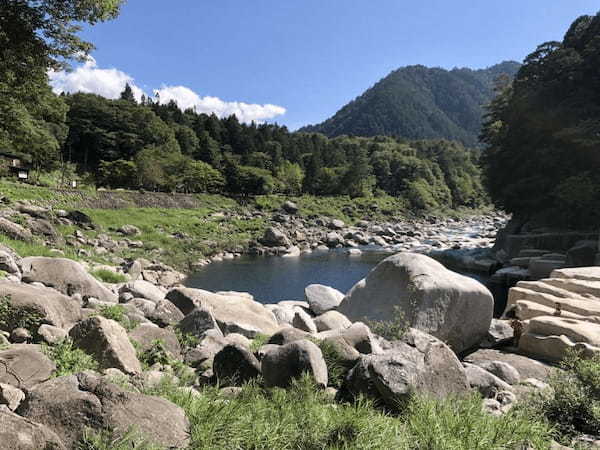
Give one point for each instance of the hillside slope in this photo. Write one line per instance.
(418, 102)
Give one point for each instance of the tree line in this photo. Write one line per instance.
(543, 132)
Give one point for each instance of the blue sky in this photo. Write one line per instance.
(308, 57)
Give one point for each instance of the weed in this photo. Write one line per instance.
(108, 276)
(118, 313)
(68, 358)
(22, 316)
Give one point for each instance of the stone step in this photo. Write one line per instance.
(527, 310)
(582, 287)
(542, 267)
(576, 305)
(578, 273)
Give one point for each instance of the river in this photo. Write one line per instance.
(272, 279)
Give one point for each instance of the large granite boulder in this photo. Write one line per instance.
(235, 364)
(66, 276)
(108, 342)
(19, 433)
(73, 404)
(146, 335)
(274, 237)
(280, 365)
(418, 363)
(198, 322)
(143, 289)
(48, 305)
(452, 307)
(322, 298)
(24, 366)
(233, 313)
(14, 230)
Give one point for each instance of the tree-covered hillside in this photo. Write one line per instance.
(417, 102)
(543, 132)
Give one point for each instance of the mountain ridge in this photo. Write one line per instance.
(419, 102)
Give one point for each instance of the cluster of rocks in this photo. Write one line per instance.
(530, 253)
(237, 339)
(290, 234)
(558, 314)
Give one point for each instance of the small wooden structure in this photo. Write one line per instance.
(14, 165)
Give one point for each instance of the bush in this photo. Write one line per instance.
(575, 406)
(108, 276)
(69, 359)
(337, 365)
(118, 313)
(392, 329)
(22, 317)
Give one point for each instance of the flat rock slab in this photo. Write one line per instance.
(66, 276)
(526, 366)
(51, 306)
(24, 366)
(19, 433)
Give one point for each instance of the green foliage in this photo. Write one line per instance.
(12, 316)
(69, 359)
(107, 440)
(337, 365)
(186, 340)
(392, 329)
(118, 313)
(417, 102)
(258, 341)
(302, 417)
(108, 276)
(542, 132)
(575, 406)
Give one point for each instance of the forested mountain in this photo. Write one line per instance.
(417, 102)
(543, 132)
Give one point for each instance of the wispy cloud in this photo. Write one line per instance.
(109, 83)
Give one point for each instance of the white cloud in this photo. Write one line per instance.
(110, 83)
(90, 79)
(186, 98)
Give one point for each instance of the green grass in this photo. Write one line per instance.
(106, 440)
(68, 358)
(118, 313)
(108, 276)
(337, 366)
(302, 417)
(258, 341)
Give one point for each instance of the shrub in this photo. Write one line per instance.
(106, 440)
(392, 329)
(69, 359)
(337, 365)
(118, 313)
(108, 276)
(12, 317)
(575, 406)
(258, 341)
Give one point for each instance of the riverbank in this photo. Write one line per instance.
(188, 231)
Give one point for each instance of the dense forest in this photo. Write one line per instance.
(125, 144)
(417, 102)
(148, 145)
(543, 132)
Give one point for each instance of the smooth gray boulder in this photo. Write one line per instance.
(322, 298)
(8, 263)
(50, 306)
(24, 366)
(502, 370)
(452, 307)
(107, 342)
(11, 396)
(288, 335)
(357, 336)
(274, 237)
(70, 405)
(19, 433)
(165, 314)
(143, 289)
(303, 321)
(419, 363)
(280, 365)
(198, 322)
(14, 230)
(234, 313)
(331, 320)
(52, 335)
(146, 335)
(66, 276)
(235, 365)
(485, 382)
